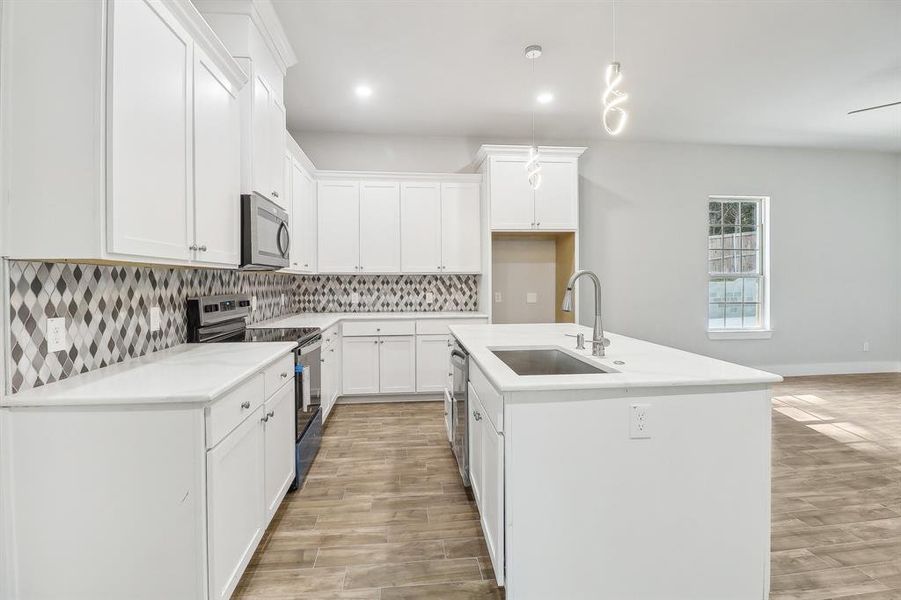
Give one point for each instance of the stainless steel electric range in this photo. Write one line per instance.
(224, 319)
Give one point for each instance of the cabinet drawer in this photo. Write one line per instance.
(229, 411)
(369, 328)
(278, 374)
(491, 399)
(440, 326)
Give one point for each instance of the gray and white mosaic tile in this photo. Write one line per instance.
(107, 307)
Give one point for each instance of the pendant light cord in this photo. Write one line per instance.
(614, 30)
(533, 105)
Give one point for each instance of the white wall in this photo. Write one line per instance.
(521, 267)
(835, 236)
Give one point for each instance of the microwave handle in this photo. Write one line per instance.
(282, 227)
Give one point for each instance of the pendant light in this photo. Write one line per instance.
(615, 115)
(533, 166)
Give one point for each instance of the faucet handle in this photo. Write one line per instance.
(580, 340)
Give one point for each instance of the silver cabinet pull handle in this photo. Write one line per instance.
(245, 404)
(275, 194)
(271, 413)
(202, 248)
(285, 375)
(321, 360)
(264, 419)
(192, 247)
(375, 341)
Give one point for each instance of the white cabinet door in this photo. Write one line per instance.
(379, 227)
(557, 200)
(338, 205)
(397, 364)
(492, 493)
(432, 362)
(278, 433)
(512, 199)
(303, 221)
(217, 165)
(277, 147)
(261, 136)
(361, 355)
(149, 112)
(461, 236)
(475, 426)
(235, 504)
(420, 227)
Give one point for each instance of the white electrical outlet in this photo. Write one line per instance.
(155, 318)
(866, 346)
(354, 298)
(253, 304)
(531, 298)
(429, 297)
(56, 334)
(639, 421)
(498, 297)
(283, 299)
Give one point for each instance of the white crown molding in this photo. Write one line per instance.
(487, 150)
(300, 156)
(204, 36)
(265, 19)
(328, 175)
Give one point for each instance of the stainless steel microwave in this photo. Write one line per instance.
(265, 240)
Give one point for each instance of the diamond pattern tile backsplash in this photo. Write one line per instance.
(107, 307)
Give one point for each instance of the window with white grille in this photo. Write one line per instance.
(736, 259)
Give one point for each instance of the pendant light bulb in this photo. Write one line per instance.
(615, 116)
(533, 169)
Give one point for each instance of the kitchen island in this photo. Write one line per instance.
(650, 480)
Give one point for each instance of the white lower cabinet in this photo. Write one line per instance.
(361, 354)
(486, 475)
(235, 511)
(331, 373)
(448, 407)
(379, 364)
(432, 362)
(278, 426)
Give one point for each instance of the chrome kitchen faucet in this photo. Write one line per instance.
(599, 342)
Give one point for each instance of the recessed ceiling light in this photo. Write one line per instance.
(545, 98)
(363, 91)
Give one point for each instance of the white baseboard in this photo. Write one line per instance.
(843, 368)
(378, 398)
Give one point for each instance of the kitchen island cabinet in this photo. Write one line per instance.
(649, 480)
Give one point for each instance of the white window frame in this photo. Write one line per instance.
(764, 330)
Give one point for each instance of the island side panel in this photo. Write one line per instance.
(111, 494)
(592, 513)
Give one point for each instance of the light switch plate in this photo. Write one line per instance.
(498, 297)
(531, 298)
(154, 318)
(283, 299)
(56, 334)
(429, 297)
(354, 298)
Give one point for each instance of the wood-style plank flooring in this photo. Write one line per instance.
(383, 515)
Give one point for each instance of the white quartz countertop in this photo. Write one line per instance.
(183, 374)
(644, 364)
(326, 320)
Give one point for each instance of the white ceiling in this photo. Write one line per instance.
(737, 72)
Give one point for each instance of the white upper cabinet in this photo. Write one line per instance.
(440, 227)
(150, 131)
(217, 165)
(143, 151)
(338, 204)
(512, 203)
(420, 214)
(557, 200)
(461, 232)
(268, 142)
(514, 206)
(303, 220)
(379, 227)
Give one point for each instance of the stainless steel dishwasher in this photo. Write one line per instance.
(460, 409)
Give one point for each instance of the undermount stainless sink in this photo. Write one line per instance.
(545, 361)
